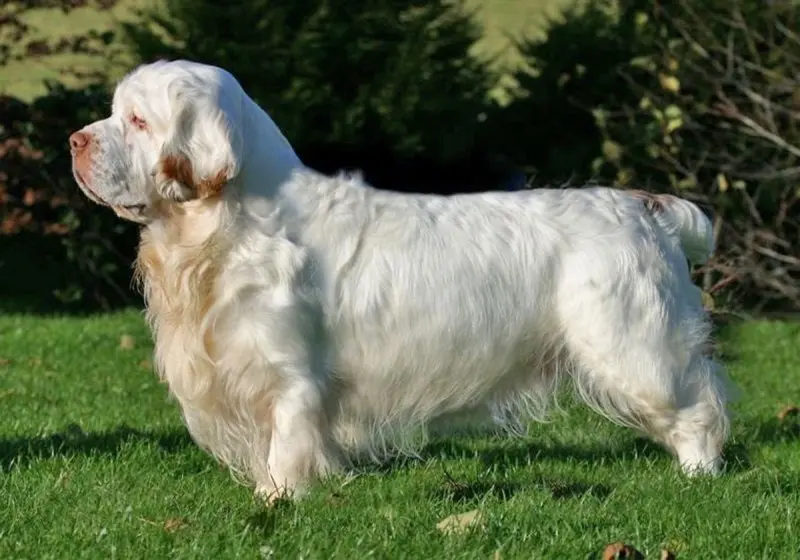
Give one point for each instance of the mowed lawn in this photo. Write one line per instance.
(95, 463)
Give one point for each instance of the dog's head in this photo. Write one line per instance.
(174, 135)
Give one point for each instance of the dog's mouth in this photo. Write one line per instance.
(128, 210)
(87, 190)
(134, 213)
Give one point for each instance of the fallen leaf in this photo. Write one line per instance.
(334, 499)
(674, 546)
(126, 342)
(620, 550)
(4, 361)
(174, 524)
(146, 364)
(788, 412)
(460, 522)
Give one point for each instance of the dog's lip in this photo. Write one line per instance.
(81, 179)
(137, 207)
(85, 186)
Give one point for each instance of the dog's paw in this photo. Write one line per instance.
(272, 497)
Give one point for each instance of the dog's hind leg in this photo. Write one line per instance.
(683, 408)
(638, 348)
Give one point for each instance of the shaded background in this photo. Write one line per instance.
(701, 99)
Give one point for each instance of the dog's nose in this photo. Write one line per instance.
(79, 140)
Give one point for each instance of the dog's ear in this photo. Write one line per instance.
(202, 152)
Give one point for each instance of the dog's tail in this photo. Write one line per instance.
(683, 219)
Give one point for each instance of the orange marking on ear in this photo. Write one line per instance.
(179, 168)
(212, 186)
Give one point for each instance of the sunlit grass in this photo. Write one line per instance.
(95, 463)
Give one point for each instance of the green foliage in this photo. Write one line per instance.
(55, 242)
(715, 119)
(699, 99)
(57, 250)
(563, 77)
(392, 78)
(391, 73)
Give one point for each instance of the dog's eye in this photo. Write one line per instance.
(138, 122)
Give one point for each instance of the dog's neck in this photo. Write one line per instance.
(187, 231)
(269, 161)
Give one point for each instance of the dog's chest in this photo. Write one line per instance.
(179, 292)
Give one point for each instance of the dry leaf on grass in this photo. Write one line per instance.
(620, 550)
(4, 361)
(126, 342)
(170, 525)
(146, 364)
(174, 524)
(334, 499)
(788, 412)
(461, 522)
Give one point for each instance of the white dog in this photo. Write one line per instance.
(302, 320)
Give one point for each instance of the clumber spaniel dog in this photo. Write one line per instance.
(303, 320)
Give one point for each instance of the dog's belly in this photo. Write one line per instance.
(435, 357)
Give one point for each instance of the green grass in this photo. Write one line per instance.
(26, 78)
(95, 463)
(502, 19)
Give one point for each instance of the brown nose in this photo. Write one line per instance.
(79, 140)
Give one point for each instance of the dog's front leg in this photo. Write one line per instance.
(300, 448)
